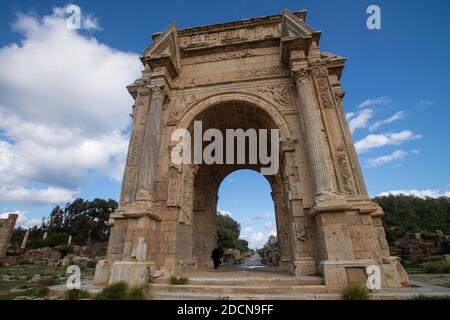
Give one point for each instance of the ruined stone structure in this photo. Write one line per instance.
(261, 73)
(6, 229)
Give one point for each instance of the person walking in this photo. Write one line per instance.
(215, 256)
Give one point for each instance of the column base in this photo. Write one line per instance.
(330, 202)
(339, 274)
(303, 267)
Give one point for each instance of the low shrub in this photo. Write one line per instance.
(115, 291)
(121, 291)
(423, 297)
(178, 281)
(41, 292)
(48, 282)
(91, 264)
(65, 249)
(355, 292)
(138, 293)
(75, 294)
(437, 267)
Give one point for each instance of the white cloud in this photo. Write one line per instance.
(225, 212)
(381, 101)
(396, 155)
(64, 109)
(425, 103)
(359, 120)
(270, 226)
(379, 140)
(36, 196)
(22, 220)
(257, 238)
(418, 193)
(349, 115)
(397, 116)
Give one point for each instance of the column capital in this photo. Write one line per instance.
(158, 92)
(339, 95)
(143, 86)
(301, 76)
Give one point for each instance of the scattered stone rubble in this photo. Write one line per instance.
(416, 247)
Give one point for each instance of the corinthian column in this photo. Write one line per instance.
(150, 150)
(317, 149)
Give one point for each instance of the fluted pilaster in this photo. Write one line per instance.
(318, 153)
(150, 151)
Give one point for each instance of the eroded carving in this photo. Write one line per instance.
(324, 92)
(299, 231)
(178, 106)
(222, 56)
(258, 73)
(344, 170)
(279, 93)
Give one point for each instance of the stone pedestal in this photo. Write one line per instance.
(304, 267)
(339, 274)
(102, 273)
(133, 273)
(393, 274)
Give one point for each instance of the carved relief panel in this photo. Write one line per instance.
(134, 152)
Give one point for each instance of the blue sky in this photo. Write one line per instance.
(64, 110)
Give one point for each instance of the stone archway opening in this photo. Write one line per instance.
(246, 196)
(208, 177)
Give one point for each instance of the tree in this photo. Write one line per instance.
(228, 232)
(84, 220)
(405, 213)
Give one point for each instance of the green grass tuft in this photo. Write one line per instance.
(355, 292)
(115, 291)
(76, 294)
(174, 280)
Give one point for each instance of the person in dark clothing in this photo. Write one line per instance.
(215, 256)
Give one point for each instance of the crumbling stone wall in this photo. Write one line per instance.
(6, 229)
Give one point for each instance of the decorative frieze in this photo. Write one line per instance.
(260, 73)
(324, 93)
(210, 39)
(278, 93)
(222, 56)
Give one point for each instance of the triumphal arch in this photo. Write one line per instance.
(262, 73)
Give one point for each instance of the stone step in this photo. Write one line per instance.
(245, 281)
(398, 295)
(162, 295)
(238, 289)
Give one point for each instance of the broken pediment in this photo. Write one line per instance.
(295, 35)
(164, 51)
(293, 26)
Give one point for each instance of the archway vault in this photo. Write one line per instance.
(266, 72)
(271, 108)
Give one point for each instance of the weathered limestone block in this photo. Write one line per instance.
(393, 274)
(133, 273)
(6, 229)
(102, 273)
